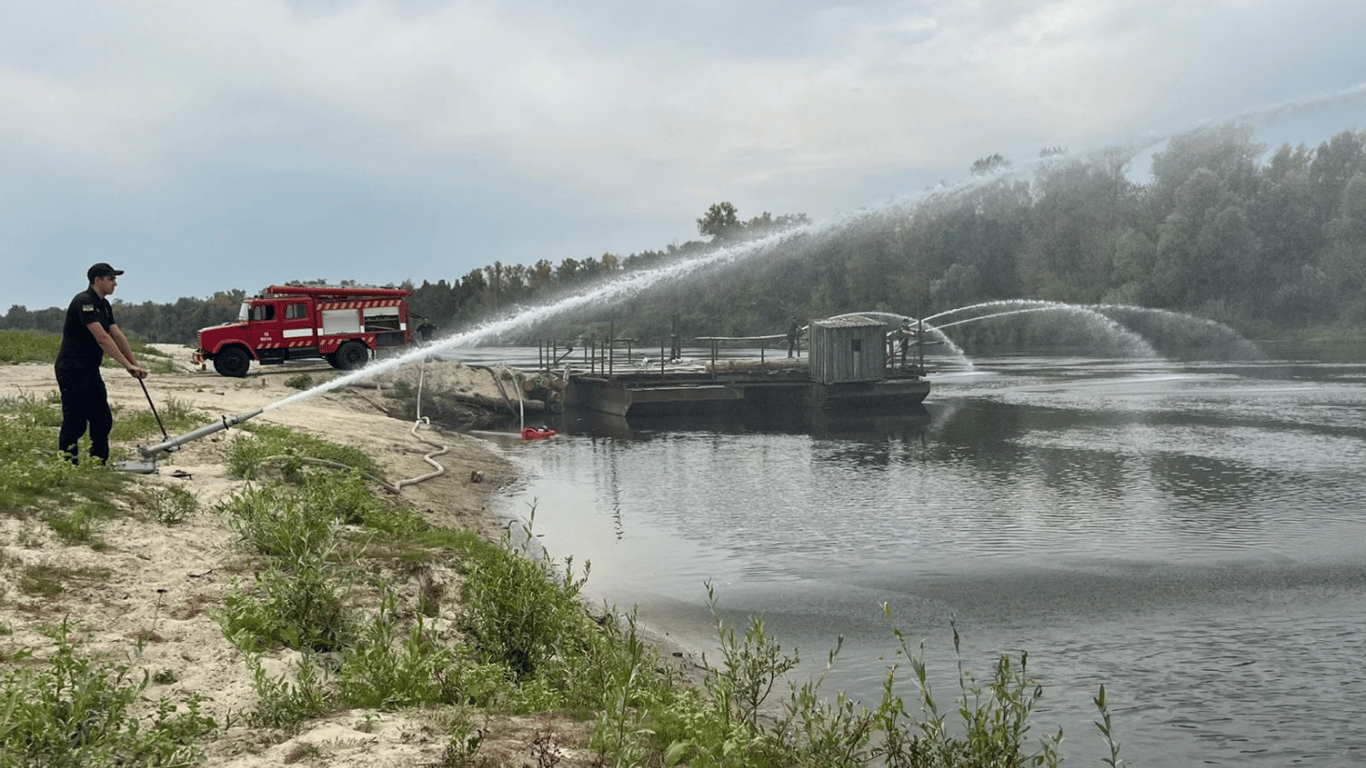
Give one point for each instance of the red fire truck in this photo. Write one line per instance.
(289, 322)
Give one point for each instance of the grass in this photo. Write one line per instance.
(37, 483)
(167, 505)
(176, 417)
(75, 711)
(42, 347)
(48, 580)
(288, 451)
(29, 346)
(327, 551)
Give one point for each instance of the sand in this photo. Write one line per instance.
(152, 611)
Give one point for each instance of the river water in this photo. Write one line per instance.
(1191, 535)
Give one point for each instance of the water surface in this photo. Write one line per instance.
(1190, 535)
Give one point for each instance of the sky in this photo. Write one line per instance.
(205, 147)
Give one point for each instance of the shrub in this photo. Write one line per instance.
(168, 505)
(276, 522)
(76, 712)
(283, 705)
(520, 612)
(301, 608)
(381, 673)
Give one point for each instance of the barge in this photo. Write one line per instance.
(853, 363)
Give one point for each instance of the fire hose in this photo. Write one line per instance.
(441, 449)
(151, 453)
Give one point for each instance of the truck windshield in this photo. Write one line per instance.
(256, 312)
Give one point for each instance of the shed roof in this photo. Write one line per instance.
(848, 321)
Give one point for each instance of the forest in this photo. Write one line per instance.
(1269, 243)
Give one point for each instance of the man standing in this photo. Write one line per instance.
(426, 330)
(89, 333)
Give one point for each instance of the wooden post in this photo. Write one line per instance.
(920, 337)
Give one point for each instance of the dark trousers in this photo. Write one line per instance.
(85, 404)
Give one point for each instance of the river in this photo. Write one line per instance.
(1191, 535)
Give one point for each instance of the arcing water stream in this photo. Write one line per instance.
(1134, 344)
(1138, 530)
(631, 284)
(1213, 333)
(616, 289)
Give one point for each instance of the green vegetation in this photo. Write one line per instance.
(289, 449)
(73, 711)
(1272, 243)
(333, 564)
(41, 346)
(176, 418)
(36, 482)
(168, 506)
(28, 346)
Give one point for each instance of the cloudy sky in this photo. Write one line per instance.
(206, 146)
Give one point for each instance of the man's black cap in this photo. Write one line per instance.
(102, 270)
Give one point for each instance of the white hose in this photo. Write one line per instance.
(441, 449)
(398, 486)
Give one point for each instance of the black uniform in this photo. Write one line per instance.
(85, 402)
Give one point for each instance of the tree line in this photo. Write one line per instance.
(1218, 228)
(1268, 243)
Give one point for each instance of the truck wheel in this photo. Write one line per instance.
(233, 361)
(331, 358)
(352, 355)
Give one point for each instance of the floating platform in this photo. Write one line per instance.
(853, 363)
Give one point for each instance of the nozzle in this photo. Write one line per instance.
(174, 443)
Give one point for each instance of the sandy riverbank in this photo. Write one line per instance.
(168, 578)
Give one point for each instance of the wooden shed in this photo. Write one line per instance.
(847, 349)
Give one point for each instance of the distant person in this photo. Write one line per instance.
(426, 330)
(907, 333)
(87, 335)
(794, 332)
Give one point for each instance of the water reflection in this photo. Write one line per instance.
(1193, 536)
(908, 422)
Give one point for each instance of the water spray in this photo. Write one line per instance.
(640, 281)
(627, 286)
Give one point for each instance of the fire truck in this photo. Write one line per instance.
(290, 322)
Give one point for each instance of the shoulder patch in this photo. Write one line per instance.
(87, 307)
